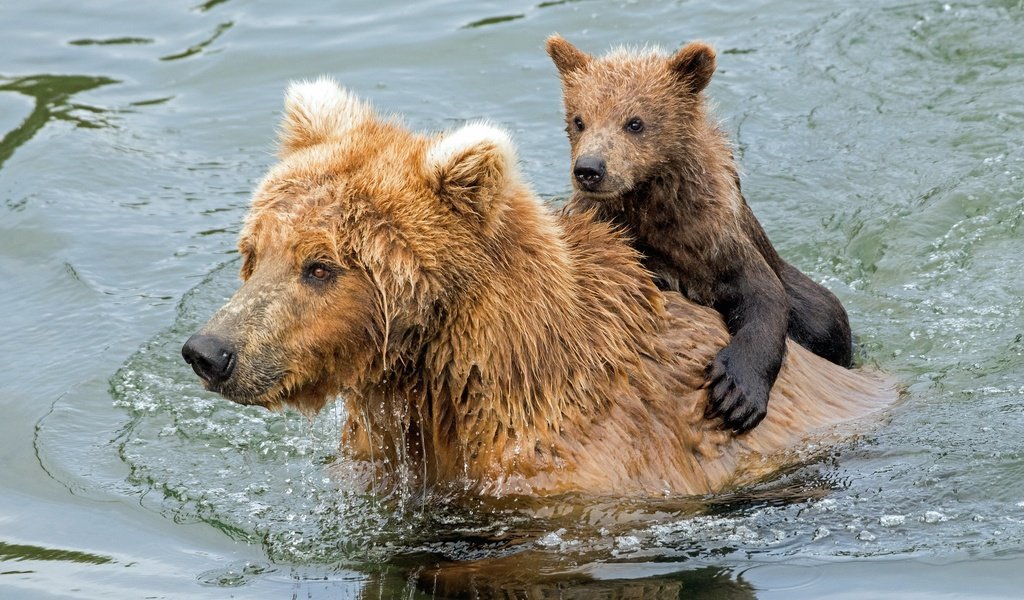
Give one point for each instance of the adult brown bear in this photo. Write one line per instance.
(477, 337)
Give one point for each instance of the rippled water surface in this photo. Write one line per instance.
(882, 145)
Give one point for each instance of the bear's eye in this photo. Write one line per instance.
(578, 122)
(635, 126)
(318, 272)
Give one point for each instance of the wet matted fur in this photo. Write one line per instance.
(477, 337)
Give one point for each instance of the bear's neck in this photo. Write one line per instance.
(553, 329)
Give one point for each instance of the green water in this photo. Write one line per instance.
(882, 145)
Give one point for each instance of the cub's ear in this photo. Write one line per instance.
(316, 112)
(694, 65)
(567, 58)
(471, 166)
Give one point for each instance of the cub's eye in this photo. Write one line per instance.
(318, 272)
(635, 126)
(578, 122)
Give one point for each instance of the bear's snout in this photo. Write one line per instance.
(589, 171)
(211, 358)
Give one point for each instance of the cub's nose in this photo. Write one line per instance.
(589, 171)
(211, 358)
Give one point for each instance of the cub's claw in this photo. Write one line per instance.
(734, 394)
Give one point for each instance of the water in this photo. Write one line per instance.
(882, 150)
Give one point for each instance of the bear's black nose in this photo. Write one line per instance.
(211, 358)
(589, 171)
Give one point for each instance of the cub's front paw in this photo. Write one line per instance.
(735, 393)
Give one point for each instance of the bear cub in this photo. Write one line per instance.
(647, 156)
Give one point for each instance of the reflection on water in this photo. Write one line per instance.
(52, 95)
(197, 48)
(524, 576)
(498, 19)
(493, 20)
(21, 552)
(209, 5)
(119, 41)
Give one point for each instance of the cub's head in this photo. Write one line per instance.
(629, 113)
(356, 245)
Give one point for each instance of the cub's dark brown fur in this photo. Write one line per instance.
(647, 155)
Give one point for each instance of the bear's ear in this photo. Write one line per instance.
(694, 65)
(318, 111)
(567, 58)
(470, 165)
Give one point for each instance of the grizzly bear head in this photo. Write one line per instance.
(630, 115)
(357, 244)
